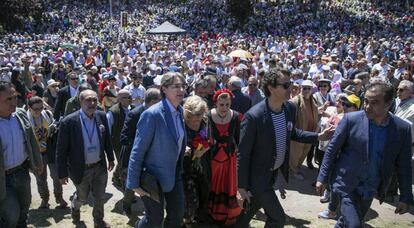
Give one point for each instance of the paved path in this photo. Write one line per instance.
(301, 205)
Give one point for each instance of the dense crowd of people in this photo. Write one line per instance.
(186, 124)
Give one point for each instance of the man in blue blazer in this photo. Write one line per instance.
(362, 155)
(265, 135)
(158, 149)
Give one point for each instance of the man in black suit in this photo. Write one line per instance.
(152, 96)
(64, 94)
(271, 120)
(241, 102)
(83, 145)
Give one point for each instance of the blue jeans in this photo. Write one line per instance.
(154, 212)
(353, 211)
(15, 207)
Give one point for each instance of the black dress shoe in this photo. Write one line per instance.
(101, 224)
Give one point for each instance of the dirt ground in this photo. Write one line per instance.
(301, 206)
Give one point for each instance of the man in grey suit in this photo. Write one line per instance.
(158, 149)
(19, 151)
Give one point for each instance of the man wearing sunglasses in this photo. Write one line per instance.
(255, 94)
(306, 119)
(65, 94)
(116, 118)
(265, 135)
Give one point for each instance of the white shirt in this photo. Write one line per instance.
(91, 143)
(136, 92)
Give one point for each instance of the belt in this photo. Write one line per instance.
(16, 169)
(91, 165)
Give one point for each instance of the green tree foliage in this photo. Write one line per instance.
(13, 12)
(240, 9)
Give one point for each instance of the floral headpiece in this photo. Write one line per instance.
(221, 91)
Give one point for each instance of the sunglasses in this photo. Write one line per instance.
(306, 88)
(126, 97)
(74, 79)
(323, 86)
(253, 84)
(285, 85)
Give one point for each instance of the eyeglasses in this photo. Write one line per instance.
(285, 85)
(74, 79)
(178, 86)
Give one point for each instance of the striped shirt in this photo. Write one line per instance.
(279, 125)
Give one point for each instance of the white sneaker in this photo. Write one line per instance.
(326, 214)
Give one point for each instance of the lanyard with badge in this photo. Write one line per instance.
(91, 148)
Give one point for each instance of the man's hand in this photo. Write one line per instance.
(401, 208)
(320, 188)
(326, 134)
(63, 181)
(111, 165)
(141, 192)
(242, 195)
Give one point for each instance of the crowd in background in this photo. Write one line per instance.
(331, 55)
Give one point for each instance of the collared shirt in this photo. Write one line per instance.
(73, 91)
(371, 177)
(178, 123)
(136, 92)
(12, 142)
(91, 144)
(279, 125)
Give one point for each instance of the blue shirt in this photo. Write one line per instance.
(91, 144)
(12, 142)
(178, 123)
(371, 178)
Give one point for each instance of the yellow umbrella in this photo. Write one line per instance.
(241, 54)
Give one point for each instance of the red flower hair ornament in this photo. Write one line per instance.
(222, 91)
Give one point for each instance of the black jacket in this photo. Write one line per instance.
(128, 134)
(257, 148)
(70, 158)
(62, 97)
